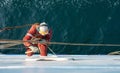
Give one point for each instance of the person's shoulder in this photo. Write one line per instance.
(35, 25)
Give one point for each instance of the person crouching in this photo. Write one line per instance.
(38, 32)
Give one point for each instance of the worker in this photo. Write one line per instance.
(42, 34)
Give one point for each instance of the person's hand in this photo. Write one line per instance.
(35, 40)
(33, 49)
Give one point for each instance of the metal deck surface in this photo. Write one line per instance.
(78, 64)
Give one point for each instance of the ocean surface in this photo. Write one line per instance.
(72, 21)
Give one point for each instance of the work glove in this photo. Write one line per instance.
(33, 49)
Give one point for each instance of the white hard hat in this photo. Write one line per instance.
(43, 24)
(43, 29)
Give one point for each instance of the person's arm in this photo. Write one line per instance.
(49, 36)
(29, 36)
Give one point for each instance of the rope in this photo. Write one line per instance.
(14, 27)
(55, 43)
(82, 44)
(52, 51)
(58, 43)
(114, 53)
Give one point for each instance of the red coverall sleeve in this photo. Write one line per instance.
(49, 36)
(29, 35)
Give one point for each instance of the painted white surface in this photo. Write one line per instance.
(80, 64)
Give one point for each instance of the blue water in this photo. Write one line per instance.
(73, 21)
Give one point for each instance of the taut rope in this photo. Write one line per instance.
(58, 43)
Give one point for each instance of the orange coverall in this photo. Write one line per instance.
(33, 34)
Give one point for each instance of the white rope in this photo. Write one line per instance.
(83, 44)
(57, 43)
(52, 51)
